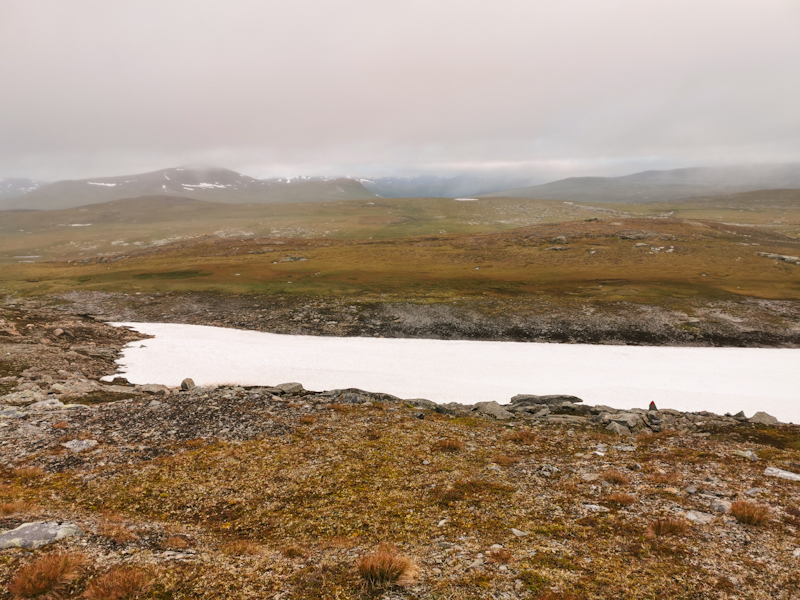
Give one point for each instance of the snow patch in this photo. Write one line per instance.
(99, 183)
(690, 379)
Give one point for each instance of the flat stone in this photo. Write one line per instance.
(763, 419)
(51, 404)
(11, 412)
(24, 397)
(552, 399)
(754, 491)
(187, 385)
(542, 413)
(518, 532)
(700, 518)
(595, 508)
(79, 445)
(721, 506)
(748, 454)
(493, 409)
(625, 448)
(618, 428)
(590, 476)
(290, 388)
(690, 489)
(35, 535)
(774, 472)
(154, 388)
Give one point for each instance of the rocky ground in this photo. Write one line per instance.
(279, 492)
(744, 323)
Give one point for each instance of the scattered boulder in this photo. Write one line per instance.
(699, 518)
(618, 428)
(775, 472)
(154, 388)
(24, 397)
(721, 506)
(79, 445)
(763, 419)
(551, 400)
(187, 385)
(519, 532)
(35, 535)
(493, 409)
(748, 454)
(51, 404)
(290, 388)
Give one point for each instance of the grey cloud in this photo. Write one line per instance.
(379, 86)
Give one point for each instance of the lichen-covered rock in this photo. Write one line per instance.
(35, 535)
(763, 419)
(493, 409)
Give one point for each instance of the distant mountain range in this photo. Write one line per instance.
(199, 183)
(433, 186)
(661, 186)
(226, 186)
(9, 188)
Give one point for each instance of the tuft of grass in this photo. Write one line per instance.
(48, 577)
(616, 478)
(308, 419)
(669, 526)
(26, 474)
(176, 542)
(385, 567)
(10, 508)
(505, 460)
(750, 513)
(448, 445)
(117, 533)
(124, 583)
(523, 436)
(672, 478)
(620, 499)
(499, 555)
(472, 489)
(294, 551)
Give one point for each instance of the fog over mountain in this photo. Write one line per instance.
(514, 88)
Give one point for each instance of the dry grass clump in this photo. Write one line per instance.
(28, 473)
(48, 577)
(668, 526)
(10, 508)
(523, 436)
(308, 419)
(505, 460)
(499, 555)
(61, 425)
(373, 435)
(242, 548)
(117, 533)
(294, 551)
(448, 445)
(176, 542)
(616, 478)
(124, 583)
(385, 567)
(672, 478)
(750, 513)
(336, 407)
(620, 499)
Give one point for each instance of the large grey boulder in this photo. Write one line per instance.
(763, 419)
(290, 388)
(493, 409)
(24, 397)
(552, 400)
(618, 429)
(35, 535)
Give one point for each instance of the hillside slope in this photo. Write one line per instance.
(663, 186)
(199, 183)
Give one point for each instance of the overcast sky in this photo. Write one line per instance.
(372, 87)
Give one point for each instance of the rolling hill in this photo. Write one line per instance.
(663, 186)
(16, 186)
(198, 183)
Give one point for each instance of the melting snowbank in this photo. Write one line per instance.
(719, 380)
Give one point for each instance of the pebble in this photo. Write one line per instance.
(518, 532)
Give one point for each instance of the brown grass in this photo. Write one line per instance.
(669, 526)
(28, 473)
(616, 478)
(750, 513)
(373, 435)
(504, 460)
(124, 583)
(308, 419)
(672, 478)
(523, 436)
(61, 425)
(294, 551)
(620, 499)
(448, 445)
(117, 533)
(385, 567)
(242, 548)
(10, 508)
(176, 542)
(499, 555)
(48, 577)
